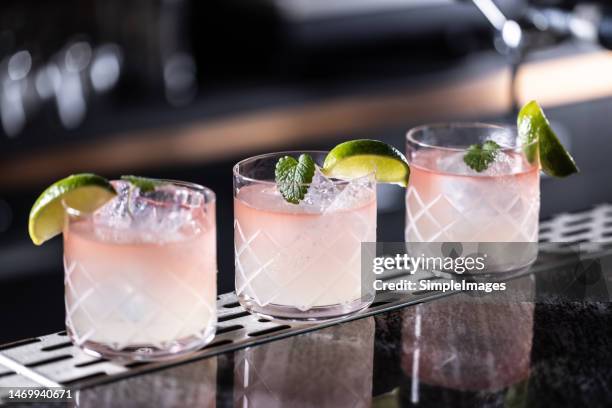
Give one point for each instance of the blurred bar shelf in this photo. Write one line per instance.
(222, 126)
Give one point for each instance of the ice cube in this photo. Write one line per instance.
(504, 164)
(114, 214)
(484, 194)
(321, 192)
(453, 163)
(353, 194)
(164, 215)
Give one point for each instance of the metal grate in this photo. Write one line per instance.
(594, 225)
(53, 361)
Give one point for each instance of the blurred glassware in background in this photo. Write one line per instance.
(177, 48)
(12, 105)
(68, 81)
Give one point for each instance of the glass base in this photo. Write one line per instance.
(146, 352)
(293, 314)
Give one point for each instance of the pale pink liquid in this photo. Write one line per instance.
(500, 204)
(295, 256)
(130, 294)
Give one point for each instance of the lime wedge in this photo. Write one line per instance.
(533, 125)
(84, 192)
(358, 158)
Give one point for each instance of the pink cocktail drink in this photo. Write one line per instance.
(302, 262)
(448, 201)
(141, 272)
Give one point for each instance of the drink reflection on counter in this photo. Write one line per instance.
(477, 346)
(331, 367)
(189, 385)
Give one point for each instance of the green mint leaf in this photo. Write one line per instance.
(480, 156)
(145, 184)
(293, 176)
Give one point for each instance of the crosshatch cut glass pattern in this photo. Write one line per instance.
(301, 261)
(447, 201)
(140, 273)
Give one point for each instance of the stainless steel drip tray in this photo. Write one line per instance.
(52, 360)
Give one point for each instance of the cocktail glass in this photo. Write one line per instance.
(301, 262)
(140, 272)
(447, 201)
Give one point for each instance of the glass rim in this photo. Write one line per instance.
(476, 125)
(236, 169)
(209, 196)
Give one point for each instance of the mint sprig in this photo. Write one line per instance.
(480, 156)
(145, 184)
(293, 176)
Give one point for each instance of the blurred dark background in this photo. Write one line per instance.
(183, 89)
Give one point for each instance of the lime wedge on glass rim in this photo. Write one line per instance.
(357, 158)
(533, 125)
(84, 192)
